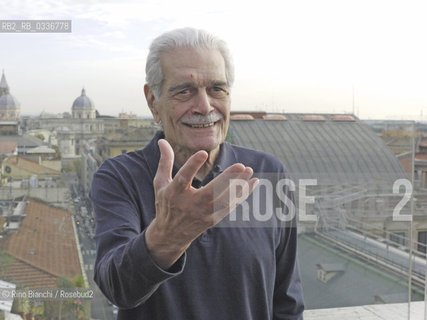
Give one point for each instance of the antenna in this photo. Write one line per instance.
(352, 91)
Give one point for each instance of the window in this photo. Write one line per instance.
(422, 241)
(398, 237)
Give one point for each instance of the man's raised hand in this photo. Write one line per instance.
(184, 212)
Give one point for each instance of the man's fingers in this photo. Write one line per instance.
(164, 170)
(233, 184)
(238, 186)
(188, 171)
(222, 181)
(236, 192)
(228, 201)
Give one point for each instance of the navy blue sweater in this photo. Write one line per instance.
(248, 273)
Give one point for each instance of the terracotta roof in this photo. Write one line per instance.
(241, 117)
(29, 276)
(313, 117)
(254, 114)
(406, 164)
(29, 165)
(343, 118)
(8, 147)
(44, 242)
(423, 142)
(421, 156)
(406, 161)
(274, 117)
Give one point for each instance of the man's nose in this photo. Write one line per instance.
(202, 103)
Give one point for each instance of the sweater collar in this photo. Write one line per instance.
(226, 158)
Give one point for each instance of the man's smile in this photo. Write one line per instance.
(201, 125)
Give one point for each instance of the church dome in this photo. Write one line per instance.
(3, 84)
(9, 106)
(8, 101)
(83, 107)
(83, 101)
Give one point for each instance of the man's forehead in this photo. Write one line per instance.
(193, 62)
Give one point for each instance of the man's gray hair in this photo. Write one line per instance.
(183, 38)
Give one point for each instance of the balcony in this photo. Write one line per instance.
(398, 311)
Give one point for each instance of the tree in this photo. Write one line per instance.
(40, 136)
(78, 281)
(6, 260)
(68, 309)
(56, 148)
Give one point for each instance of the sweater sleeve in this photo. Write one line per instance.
(288, 300)
(124, 269)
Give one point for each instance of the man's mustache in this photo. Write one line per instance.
(201, 119)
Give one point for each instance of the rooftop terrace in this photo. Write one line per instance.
(398, 311)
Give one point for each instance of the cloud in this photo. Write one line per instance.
(276, 44)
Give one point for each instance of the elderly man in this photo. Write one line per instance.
(160, 251)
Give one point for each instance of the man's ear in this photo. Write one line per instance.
(152, 102)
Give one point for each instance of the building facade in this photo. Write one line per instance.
(72, 132)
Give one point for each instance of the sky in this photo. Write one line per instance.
(367, 57)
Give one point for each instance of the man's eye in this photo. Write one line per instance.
(218, 91)
(184, 92)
